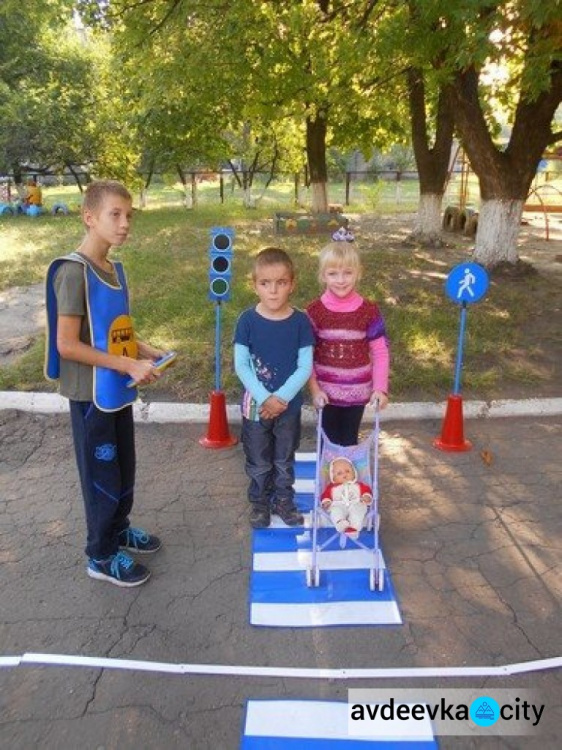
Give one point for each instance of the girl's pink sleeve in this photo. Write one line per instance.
(380, 357)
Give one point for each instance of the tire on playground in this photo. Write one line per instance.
(471, 226)
(452, 219)
(465, 216)
(6, 210)
(59, 208)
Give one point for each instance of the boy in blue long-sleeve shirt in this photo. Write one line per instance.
(273, 346)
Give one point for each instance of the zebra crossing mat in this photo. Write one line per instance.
(323, 725)
(279, 595)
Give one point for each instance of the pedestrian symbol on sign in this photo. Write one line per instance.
(466, 283)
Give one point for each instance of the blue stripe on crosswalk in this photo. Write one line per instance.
(307, 743)
(289, 587)
(305, 469)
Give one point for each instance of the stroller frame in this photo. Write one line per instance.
(372, 519)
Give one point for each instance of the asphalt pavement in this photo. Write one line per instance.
(472, 540)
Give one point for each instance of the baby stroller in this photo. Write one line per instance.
(365, 457)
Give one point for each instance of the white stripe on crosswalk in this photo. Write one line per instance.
(350, 559)
(304, 486)
(323, 720)
(325, 614)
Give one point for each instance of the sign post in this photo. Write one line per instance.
(466, 284)
(220, 275)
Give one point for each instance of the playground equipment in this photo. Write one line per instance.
(464, 218)
(543, 207)
(20, 209)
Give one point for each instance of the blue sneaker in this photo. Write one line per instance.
(138, 540)
(119, 569)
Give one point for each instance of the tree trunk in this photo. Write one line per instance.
(183, 180)
(316, 154)
(194, 196)
(427, 225)
(505, 174)
(432, 161)
(498, 229)
(248, 200)
(75, 175)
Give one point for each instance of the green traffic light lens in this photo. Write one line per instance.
(219, 287)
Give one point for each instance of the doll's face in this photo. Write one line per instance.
(342, 471)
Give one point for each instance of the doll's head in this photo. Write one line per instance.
(342, 470)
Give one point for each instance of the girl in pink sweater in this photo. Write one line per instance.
(351, 357)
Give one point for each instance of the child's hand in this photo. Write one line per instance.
(320, 399)
(381, 398)
(326, 503)
(367, 499)
(272, 407)
(142, 371)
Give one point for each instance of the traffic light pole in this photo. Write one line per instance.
(218, 346)
(220, 272)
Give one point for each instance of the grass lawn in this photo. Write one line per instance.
(167, 265)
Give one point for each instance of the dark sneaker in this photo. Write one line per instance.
(260, 516)
(119, 569)
(288, 512)
(138, 540)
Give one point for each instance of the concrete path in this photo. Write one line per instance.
(473, 541)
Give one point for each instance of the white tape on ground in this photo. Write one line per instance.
(93, 662)
(10, 661)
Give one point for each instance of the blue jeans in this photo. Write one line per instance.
(269, 447)
(104, 443)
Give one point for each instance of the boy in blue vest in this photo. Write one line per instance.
(92, 351)
(273, 345)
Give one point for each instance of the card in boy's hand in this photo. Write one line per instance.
(160, 364)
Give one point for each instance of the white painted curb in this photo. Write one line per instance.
(167, 412)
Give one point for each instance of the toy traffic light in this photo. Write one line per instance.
(220, 272)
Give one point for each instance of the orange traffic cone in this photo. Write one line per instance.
(452, 437)
(218, 434)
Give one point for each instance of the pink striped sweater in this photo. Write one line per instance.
(351, 354)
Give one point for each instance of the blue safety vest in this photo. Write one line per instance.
(111, 330)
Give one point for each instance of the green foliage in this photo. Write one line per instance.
(200, 75)
(61, 106)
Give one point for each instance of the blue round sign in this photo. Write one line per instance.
(467, 283)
